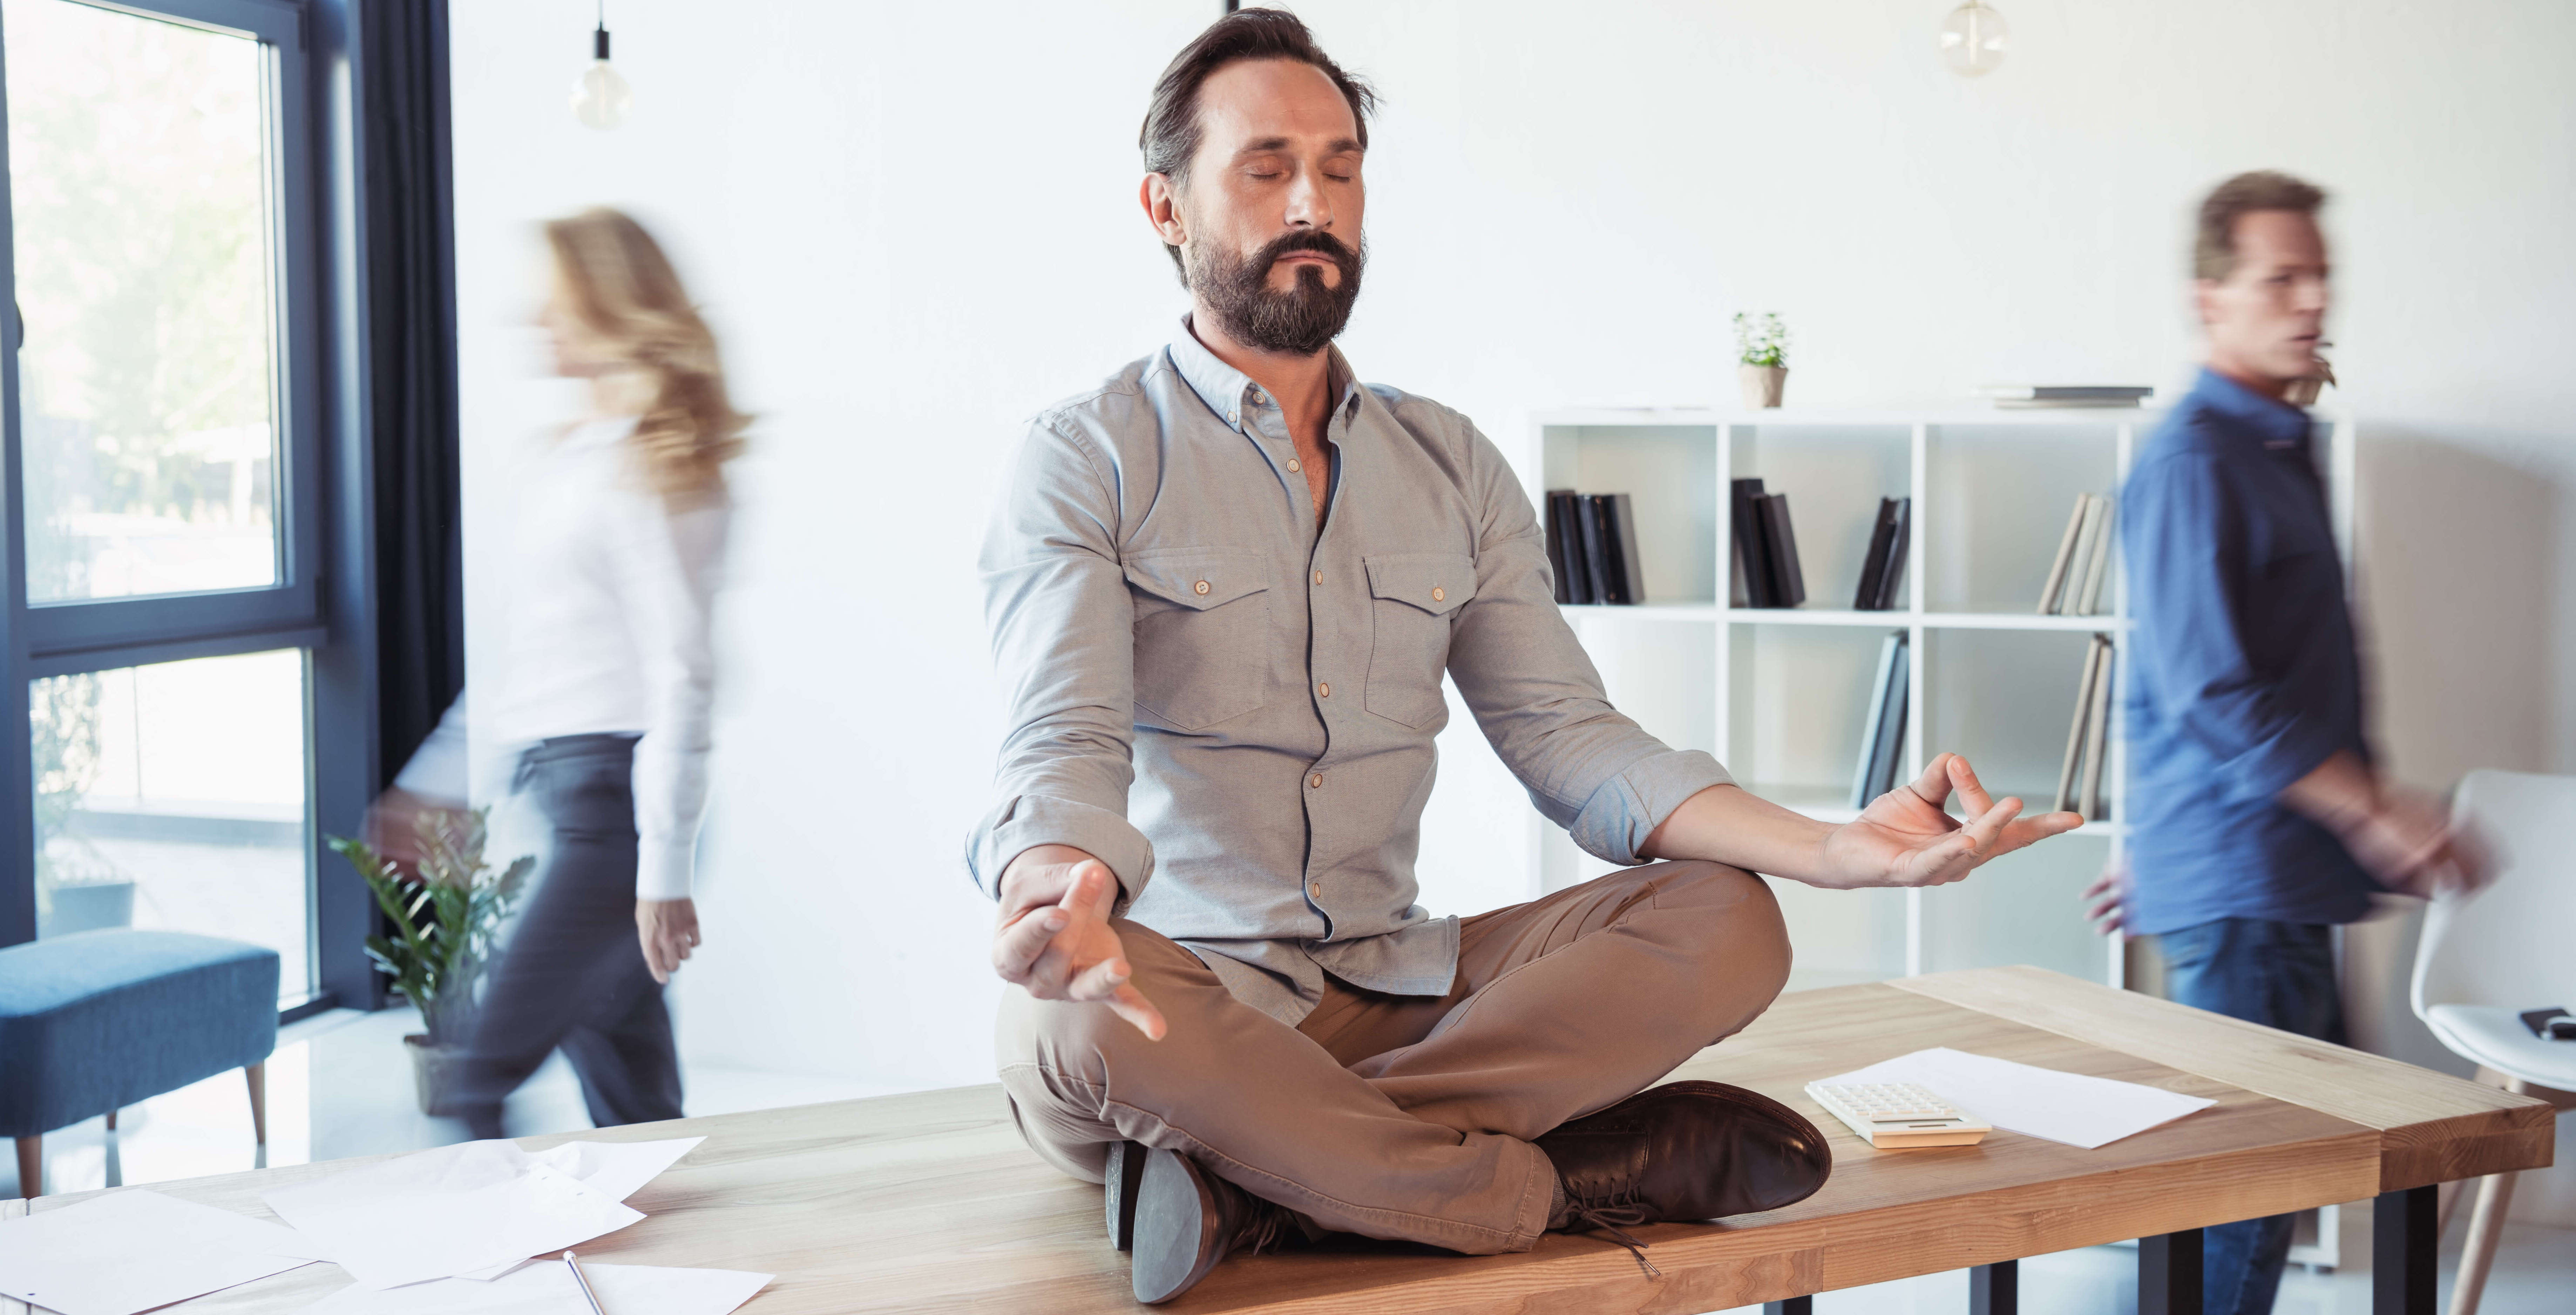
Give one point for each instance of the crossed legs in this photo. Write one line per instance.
(1410, 1117)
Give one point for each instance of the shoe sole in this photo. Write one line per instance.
(1176, 1225)
(1126, 1169)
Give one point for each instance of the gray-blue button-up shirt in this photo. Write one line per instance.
(1234, 707)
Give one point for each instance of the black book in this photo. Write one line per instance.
(1891, 743)
(1891, 578)
(1873, 566)
(1596, 547)
(1749, 549)
(1574, 583)
(1788, 582)
(1556, 545)
(1626, 574)
(1891, 654)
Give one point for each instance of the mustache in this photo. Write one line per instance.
(1310, 239)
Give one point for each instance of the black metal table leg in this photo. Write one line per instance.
(1790, 1306)
(2403, 1251)
(2169, 1274)
(1995, 1289)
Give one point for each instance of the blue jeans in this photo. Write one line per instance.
(2279, 974)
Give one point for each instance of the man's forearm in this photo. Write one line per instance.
(2338, 794)
(1727, 824)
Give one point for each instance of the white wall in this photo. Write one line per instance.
(915, 224)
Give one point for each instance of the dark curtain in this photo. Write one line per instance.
(410, 279)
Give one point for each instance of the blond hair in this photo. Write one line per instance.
(617, 282)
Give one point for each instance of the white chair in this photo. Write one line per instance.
(2485, 958)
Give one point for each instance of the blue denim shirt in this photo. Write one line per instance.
(1235, 710)
(2243, 676)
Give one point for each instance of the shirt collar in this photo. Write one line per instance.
(1229, 391)
(2279, 424)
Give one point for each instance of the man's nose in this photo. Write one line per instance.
(1307, 206)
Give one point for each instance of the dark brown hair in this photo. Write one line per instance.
(2213, 247)
(1171, 133)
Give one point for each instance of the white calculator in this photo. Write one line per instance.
(1897, 1115)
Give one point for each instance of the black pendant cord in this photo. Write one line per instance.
(599, 37)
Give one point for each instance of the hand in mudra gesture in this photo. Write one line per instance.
(1905, 838)
(1053, 935)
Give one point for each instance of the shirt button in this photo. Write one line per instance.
(1292, 465)
(1438, 594)
(1324, 688)
(1319, 577)
(1315, 782)
(1201, 586)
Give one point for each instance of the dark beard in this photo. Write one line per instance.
(1300, 321)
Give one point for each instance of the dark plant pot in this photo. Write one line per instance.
(89, 906)
(432, 1068)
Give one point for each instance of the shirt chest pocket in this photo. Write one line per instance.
(1413, 597)
(1202, 627)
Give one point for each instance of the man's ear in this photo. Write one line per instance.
(2202, 292)
(1162, 204)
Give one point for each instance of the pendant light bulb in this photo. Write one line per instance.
(1973, 39)
(601, 98)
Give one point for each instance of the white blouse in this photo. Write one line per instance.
(610, 622)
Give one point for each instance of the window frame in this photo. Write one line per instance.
(310, 232)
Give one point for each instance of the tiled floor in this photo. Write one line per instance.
(340, 1085)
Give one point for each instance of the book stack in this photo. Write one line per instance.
(1592, 548)
(2079, 776)
(2083, 565)
(1884, 569)
(1766, 549)
(1882, 744)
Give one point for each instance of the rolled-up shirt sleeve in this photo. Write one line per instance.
(1537, 696)
(2190, 568)
(1057, 607)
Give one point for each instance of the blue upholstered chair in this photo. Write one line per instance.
(101, 1019)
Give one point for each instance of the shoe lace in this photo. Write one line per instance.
(1615, 1217)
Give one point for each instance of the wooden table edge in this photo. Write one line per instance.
(2496, 1131)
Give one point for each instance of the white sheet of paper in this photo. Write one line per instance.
(618, 1169)
(134, 1250)
(547, 1288)
(2072, 1108)
(444, 1212)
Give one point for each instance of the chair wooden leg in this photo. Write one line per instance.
(257, 1076)
(31, 1166)
(2486, 1229)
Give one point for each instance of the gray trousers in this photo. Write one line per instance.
(573, 974)
(1400, 1116)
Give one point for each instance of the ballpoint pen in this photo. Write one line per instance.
(584, 1281)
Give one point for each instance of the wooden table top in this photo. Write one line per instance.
(930, 1202)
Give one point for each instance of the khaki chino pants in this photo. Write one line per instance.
(1409, 1117)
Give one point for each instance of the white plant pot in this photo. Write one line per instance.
(1763, 385)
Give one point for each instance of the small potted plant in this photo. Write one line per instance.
(444, 919)
(1762, 358)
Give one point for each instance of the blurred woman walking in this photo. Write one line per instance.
(605, 687)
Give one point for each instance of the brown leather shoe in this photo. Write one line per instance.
(1682, 1151)
(1126, 1168)
(1188, 1219)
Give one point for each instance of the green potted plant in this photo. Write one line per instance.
(1762, 358)
(445, 916)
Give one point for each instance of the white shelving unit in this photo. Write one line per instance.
(1781, 695)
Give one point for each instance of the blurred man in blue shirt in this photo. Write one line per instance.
(2260, 821)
